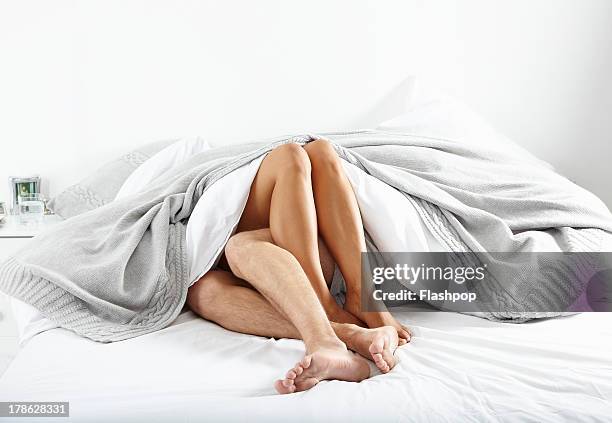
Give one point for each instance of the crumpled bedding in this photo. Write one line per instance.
(121, 270)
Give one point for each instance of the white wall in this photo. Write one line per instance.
(81, 81)
(539, 70)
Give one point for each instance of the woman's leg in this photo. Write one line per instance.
(281, 198)
(340, 225)
(279, 278)
(229, 301)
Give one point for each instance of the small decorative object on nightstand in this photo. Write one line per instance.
(31, 209)
(19, 186)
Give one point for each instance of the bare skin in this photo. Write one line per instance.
(298, 193)
(281, 199)
(299, 196)
(231, 302)
(327, 357)
(340, 225)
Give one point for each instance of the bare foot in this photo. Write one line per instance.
(324, 364)
(377, 344)
(376, 319)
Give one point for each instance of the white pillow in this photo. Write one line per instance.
(163, 161)
(432, 113)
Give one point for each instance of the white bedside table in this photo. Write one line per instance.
(13, 236)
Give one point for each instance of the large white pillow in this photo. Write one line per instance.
(432, 113)
(161, 162)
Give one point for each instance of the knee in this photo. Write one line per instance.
(239, 250)
(236, 249)
(292, 158)
(323, 156)
(203, 296)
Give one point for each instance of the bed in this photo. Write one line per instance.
(457, 368)
(551, 370)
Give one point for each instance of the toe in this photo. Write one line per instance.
(405, 333)
(377, 345)
(380, 362)
(305, 363)
(306, 384)
(298, 370)
(282, 389)
(291, 374)
(387, 356)
(287, 383)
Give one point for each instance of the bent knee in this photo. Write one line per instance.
(240, 246)
(291, 157)
(236, 248)
(322, 155)
(204, 294)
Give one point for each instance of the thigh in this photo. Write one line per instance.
(326, 260)
(256, 213)
(205, 296)
(215, 279)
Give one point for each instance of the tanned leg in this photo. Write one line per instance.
(223, 298)
(278, 277)
(340, 225)
(281, 198)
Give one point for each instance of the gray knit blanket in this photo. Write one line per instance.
(120, 271)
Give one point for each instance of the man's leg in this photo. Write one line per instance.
(340, 225)
(281, 198)
(279, 278)
(223, 298)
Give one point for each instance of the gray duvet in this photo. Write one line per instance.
(120, 270)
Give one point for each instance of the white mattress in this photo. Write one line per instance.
(457, 368)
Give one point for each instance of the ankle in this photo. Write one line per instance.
(329, 343)
(353, 298)
(347, 332)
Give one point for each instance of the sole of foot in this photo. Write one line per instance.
(378, 345)
(323, 364)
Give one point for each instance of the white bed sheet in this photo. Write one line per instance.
(457, 368)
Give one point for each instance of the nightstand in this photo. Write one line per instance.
(13, 236)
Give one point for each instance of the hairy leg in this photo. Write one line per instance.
(340, 225)
(229, 301)
(278, 277)
(281, 198)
